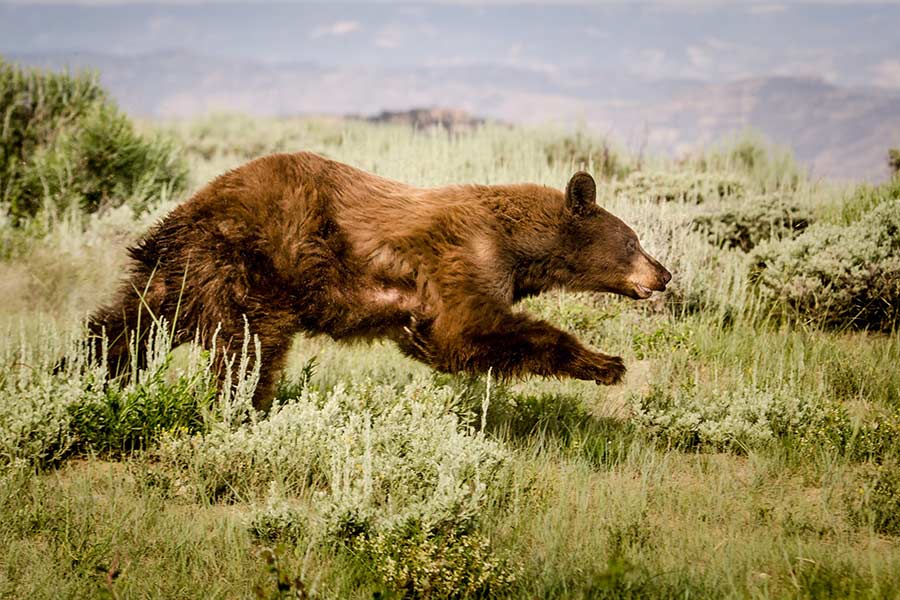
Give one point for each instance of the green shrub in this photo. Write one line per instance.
(894, 160)
(754, 221)
(832, 430)
(766, 167)
(875, 501)
(580, 151)
(35, 105)
(866, 197)
(836, 276)
(101, 164)
(681, 186)
(449, 559)
(49, 412)
(131, 418)
(64, 144)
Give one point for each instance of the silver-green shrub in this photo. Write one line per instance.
(56, 399)
(735, 419)
(393, 473)
(753, 221)
(679, 186)
(35, 419)
(370, 446)
(836, 276)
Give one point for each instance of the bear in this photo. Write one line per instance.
(291, 243)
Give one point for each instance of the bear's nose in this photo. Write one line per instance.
(667, 277)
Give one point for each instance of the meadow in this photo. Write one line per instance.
(752, 452)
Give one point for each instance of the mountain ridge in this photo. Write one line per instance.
(839, 132)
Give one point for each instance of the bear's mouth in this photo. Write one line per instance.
(642, 291)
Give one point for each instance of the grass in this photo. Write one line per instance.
(745, 456)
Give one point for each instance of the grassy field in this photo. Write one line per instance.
(752, 451)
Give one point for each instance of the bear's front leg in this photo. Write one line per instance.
(510, 344)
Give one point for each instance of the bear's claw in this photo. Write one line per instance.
(612, 371)
(415, 343)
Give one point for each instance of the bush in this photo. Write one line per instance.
(49, 412)
(836, 276)
(448, 559)
(754, 221)
(876, 500)
(35, 423)
(683, 186)
(765, 166)
(65, 144)
(738, 419)
(894, 160)
(370, 444)
(867, 197)
(584, 152)
(397, 478)
(35, 105)
(833, 430)
(133, 417)
(278, 521)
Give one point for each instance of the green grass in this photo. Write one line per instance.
(746, 455)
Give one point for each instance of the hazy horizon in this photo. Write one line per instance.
(672, 74)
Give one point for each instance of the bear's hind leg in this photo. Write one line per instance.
(274, 332)
(126, 323)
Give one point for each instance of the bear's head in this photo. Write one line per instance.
(602, 253)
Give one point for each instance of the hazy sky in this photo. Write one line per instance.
(843, 43)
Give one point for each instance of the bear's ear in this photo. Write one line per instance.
(581, 193)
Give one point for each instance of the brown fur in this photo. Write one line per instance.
(296, 242)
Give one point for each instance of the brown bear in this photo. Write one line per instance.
(297, 242)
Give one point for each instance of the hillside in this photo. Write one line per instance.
(836, 132)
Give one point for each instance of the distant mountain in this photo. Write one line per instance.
(839, 132)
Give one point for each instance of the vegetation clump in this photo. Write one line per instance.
(836, 276)
(50, 412)
(399, 480)
(894, 161)
(753, 221)
(875, 500)
(768, 168)
(736, 420)
(449, 559)
(65, 145)
(580, 151)
(686, 187)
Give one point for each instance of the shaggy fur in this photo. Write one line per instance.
(296, 242)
